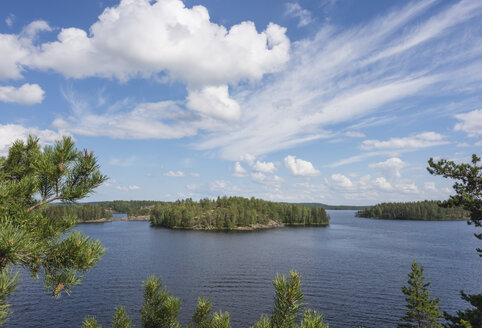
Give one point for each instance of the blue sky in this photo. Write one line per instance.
(340, 102)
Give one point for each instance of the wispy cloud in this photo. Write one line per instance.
(422, 140)
(293, 9)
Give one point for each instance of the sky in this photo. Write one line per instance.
(338, 102)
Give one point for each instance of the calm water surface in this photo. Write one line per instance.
(352, 270)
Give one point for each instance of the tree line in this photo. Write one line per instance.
(79, 212)
(231, 212)
(424, 210)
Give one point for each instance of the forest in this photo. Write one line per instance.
(233, 212)
(79, 212)
(424, 210)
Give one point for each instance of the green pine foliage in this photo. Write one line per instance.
(31, 178)
(424, 210)
(470, 317)
(160, 309)
(121, 319)
(234, 212)
(422, 312)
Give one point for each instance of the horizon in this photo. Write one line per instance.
(298, 101)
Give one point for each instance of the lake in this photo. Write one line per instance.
(352, 270)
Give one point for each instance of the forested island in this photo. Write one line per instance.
(424, 211)
(235, 213)
(223, 213)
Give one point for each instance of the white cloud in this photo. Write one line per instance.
(195, 175)
(239, 170)
(215, 102)
(408, 188)
(390, 168)
(27, 94)
(11, 132)
(10, 20)
(341, 181)
(262, 178)
(294, 9)
(12, 54)
(248, 158)
(264, 167)
(422, 140)
(178, 174)
(299, 167)
(471, 123)
(144, 38)
(383, 184)
(355, 134)
(478, 143)
(128, 188)
(220, 185)
(430, 186)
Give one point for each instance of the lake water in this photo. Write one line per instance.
(352, 271)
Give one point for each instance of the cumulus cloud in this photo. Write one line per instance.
(248, 158)
(27, 94)
(342, 181)
(145, 38)
(422, 140)
(239, 170)
(430, 186)
(262, 178)
(299, 167)
(264, 167)
(293, 9)
(383, 184)
(215, 102)
(178, 174)
(471, 123)
(390, 168)
(12, 132)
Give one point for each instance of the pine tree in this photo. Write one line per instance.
(468, 189)
(421, 310)
(30, 178)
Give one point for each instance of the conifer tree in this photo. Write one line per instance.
(31, 177)
(421, 310)
(121, 319)
(468, 189)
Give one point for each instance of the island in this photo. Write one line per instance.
(427, 210)
(235, 213)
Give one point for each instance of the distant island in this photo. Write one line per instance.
(424, 211)
(235, 213)
(223, 213)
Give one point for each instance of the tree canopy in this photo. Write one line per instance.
(425, 210)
